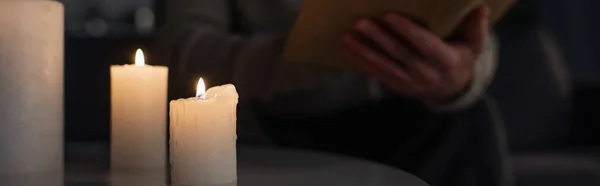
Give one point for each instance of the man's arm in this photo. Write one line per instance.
(433, 70)
(485, 69)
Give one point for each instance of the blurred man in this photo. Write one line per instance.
(417, 106)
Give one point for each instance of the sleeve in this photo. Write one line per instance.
(485, 70)
(197, 40)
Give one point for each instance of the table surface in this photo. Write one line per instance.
(87, 165)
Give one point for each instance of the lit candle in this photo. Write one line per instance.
(139, 117)
(203, 137)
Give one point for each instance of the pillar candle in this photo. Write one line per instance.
(31, 92)
(203, 137)
(138, 117)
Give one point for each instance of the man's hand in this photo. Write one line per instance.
(425, 67)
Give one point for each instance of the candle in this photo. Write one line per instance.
(31, 92)
(138, 117)
(203, 137)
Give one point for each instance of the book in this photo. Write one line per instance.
(317, 34)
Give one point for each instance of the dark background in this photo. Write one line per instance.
(100, 33)
(553, 136)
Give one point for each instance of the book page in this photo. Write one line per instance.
(317, 34)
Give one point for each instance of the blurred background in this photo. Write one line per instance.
(101, 32)
(547, 84)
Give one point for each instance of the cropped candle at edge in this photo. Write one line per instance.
(138, 117)
(203, 137)
(31, 93)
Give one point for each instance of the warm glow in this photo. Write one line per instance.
(139, 58)
(201, 90)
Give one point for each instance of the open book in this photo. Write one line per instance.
(317, 34)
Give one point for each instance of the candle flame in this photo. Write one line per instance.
(201, 90)
(139, 58)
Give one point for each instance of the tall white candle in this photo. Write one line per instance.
(139, 117)
(203, 137)
(31, 92)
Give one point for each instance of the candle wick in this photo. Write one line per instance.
(201, 97)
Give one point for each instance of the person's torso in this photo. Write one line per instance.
(265, 16)
(277, 17)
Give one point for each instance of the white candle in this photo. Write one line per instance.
(138, 117)
(203, 137)
(31, 92)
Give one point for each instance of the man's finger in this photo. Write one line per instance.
(424, 73)
(426, 43)
(376, 59)
(403, 88)
(477, 28)
(389, 44)
(378, 66)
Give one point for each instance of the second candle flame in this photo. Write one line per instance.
(201, 90)
(139, 58)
